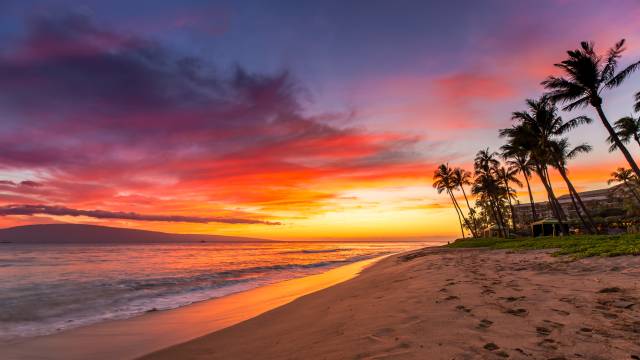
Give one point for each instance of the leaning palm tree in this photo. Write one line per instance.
(508, 176)
(627, 128)
(443, 182)
(462, 178)
(587, 74)
(518, 160)
(626, 177)
(560, 152)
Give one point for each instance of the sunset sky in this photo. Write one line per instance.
(277, 120)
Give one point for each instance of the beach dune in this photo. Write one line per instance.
(449, 304)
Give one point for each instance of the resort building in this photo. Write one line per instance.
(600, 202)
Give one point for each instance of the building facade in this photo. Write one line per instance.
(596, 200)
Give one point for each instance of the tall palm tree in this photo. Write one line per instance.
(462, 178)
(443, 182)
(636, 107)
(518, 160)
(535, 131)
(625, 176)
(560, 153)
(508, 176)
(627, 128)
(587, 74)
(489, 185)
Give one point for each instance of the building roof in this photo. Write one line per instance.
(600, 194)
(545, 221)
(591, 195)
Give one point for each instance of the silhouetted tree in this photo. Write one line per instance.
(627, 128)
(489, 187)
(625, 176)
(508, 176)
(462, 178)
(518, 160)
(560, 152)
(587, 74)
(443, 182)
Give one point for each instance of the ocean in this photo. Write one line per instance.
(49, 288)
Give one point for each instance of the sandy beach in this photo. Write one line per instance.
(449, 304)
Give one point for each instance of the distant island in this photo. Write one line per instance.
(95, 234)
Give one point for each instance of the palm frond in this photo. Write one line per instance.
(582, 148)
(622, 75)
(612, 61)
(582, 102)
(574, 123)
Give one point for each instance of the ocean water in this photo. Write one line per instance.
(48, 288)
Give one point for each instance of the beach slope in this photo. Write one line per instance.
(449, 304)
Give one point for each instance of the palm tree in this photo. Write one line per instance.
(627, 128)
(507, 176)
(534, 133)
(560, 153)
(518, 160)
(488, 185)
(625, 176)
(462, 178)
(636, 107)
(587, 75)
(443, 182)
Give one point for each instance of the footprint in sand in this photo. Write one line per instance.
(561, 312)
(553, 324)
(485, 324)
(607, 290)
(543, 331)
(518, 312)
(548, 344)
(463, 308)
(488, 292)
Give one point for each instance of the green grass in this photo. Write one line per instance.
(575, 246)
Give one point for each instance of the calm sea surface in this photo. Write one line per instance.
(47, 288)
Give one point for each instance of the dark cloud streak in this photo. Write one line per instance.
(30, 210)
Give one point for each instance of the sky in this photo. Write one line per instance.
(278, 119)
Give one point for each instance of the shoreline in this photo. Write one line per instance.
(140, 335)
(439, 303)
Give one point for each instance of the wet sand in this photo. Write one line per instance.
(449, 304)
(131, 338)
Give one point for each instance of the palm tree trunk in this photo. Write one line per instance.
(496, 218)
(457, 213)
(575, 206)
(635, 194)
(459, 209)
(473, 218)
(533, 206)
(617, 141)
(503, 228)
(513, 213)
(455, 203)
(553, 195)
(550, 195)
(573, 191)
